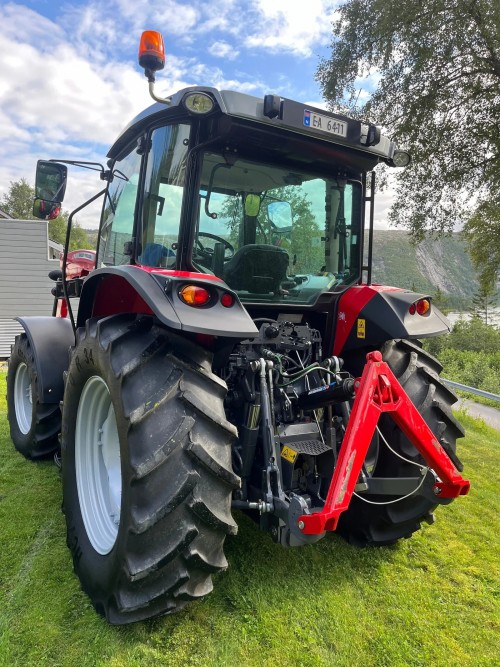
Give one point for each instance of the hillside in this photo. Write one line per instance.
(431, 266)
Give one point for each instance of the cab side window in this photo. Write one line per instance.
(163, 193)
(115, 245)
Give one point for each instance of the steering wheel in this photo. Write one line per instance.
(207, 253)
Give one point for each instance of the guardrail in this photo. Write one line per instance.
(472, 390)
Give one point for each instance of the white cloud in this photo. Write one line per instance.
(175, 18)
(276, 26)
(292, 26)
(223, 50)
(62, 92)
(214, 76)
(366, 84)
(69, 85)
(318, 105)
(383, 202)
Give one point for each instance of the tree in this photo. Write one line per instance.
(18, 202)
(483, 301)
(437, 70)
(467, 336)
(482, 234)
(441, 300)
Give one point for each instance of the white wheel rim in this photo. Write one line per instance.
(98, 467)
(23, 400)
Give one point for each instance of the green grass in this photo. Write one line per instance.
(431, 600)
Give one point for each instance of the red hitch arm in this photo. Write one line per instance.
(378, 391)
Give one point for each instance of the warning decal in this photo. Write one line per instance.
(361, 328)
(289, 454)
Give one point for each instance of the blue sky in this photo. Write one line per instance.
(69, 78)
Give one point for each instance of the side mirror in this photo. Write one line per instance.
(50, 186)
(280, 215)
(46, 210)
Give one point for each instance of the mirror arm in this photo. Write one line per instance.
(163, 100)
(95, 166)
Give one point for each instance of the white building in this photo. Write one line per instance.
(26, 257)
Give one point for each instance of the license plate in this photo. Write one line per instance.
(326, 124)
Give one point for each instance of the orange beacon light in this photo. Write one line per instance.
(151, 52)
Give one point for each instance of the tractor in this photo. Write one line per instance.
(229, 351)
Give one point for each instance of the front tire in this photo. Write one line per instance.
(147, 478)
(418, 372)
(34, 426)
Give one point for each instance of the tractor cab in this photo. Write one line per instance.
(255, 212)
(266, 194)
(214, 183)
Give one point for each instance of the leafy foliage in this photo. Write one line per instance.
(470, 354)
(482, 234)
(475, 369)
(437, 64)
(484, 300)
(440, 300)
(18, 202)
(470, 336)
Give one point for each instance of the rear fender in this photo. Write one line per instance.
(50, 339)
(370, 315)
(134, 289)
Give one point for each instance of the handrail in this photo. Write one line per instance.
(472, 390)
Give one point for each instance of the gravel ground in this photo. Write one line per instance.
(490, 415)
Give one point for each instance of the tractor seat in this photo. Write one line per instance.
(257, 268)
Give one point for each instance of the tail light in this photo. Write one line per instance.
(421, 307)
(227, 300)
(194, 295)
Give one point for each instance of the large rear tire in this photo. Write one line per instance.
(418, 372)
(34, 426)
(146, 465)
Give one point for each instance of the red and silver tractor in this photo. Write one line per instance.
(229, 351)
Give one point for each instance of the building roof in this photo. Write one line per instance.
(5, 215)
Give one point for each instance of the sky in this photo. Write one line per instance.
(70, 80)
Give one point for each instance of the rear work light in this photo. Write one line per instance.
(422, 307)
(198, 103)
(194, 295)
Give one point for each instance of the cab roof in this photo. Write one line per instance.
(271, 111)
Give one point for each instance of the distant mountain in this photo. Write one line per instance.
(433, 266)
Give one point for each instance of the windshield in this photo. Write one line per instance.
(275, 234)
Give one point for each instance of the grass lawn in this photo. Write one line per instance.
(431, 600)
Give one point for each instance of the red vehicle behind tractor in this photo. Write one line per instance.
(230, 351)
(79, 263)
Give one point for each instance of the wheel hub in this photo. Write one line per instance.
(98, 465)
(23, 400)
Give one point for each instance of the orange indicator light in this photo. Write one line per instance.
(423, 306)
(194, 295)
